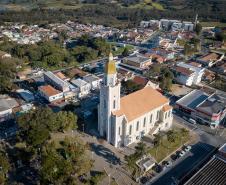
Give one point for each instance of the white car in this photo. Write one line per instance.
(182, 153)
(192, 121)
(187, 148)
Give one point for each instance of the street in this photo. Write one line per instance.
(199, 152)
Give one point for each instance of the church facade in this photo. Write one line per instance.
(124, 120)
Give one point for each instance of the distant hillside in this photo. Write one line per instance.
(122, 12)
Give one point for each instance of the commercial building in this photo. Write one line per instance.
(125, 120)
(205, 108)
(213, 172)
(175, 25)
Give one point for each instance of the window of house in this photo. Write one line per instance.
(137, 126)
(114, 102)
(151, 118)
(166, 125)
(165, 115)
(169, 114)
(130, 129)
(119, 129)
(144, 122)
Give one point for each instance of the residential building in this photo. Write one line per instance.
(62, 76)
(188, 74)
(50, 93)
(210, 59)
(82, 86)
(7, 104)
(125, 120)
(56, 82)
(137, 62)
(93, 80)
(204, 107)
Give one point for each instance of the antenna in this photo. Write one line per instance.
(196, 19)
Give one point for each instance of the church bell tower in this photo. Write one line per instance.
(109, 100)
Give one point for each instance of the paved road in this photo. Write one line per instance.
(207, 143)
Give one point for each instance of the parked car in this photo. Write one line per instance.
(168, 164)
(181, 153)
(192, 121)
(187, 148)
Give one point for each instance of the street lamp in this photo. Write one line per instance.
(109, 178)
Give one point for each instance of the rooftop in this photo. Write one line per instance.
(210, 57)
(78, 82)
(214, 172)
(49, 90)
(90, 78)
(137, 58)
(213, 105)
(140, 102)
(183, 70)
(193, 99)
(7, 102)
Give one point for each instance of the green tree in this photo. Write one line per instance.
(4, 167)
(198, 29)
(141, 149)
(125, 52)
(7, 74)
(36, 126)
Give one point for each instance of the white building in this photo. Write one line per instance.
(56, 82)
(50, 93)
(6, 107)
(125, 120)
(93, 80)
(187, 74)
(83, 87)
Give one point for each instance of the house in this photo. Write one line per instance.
(137, 62)
(4, 55)
(155, 58)
(124, 75)
(210, 59)
(208, 76)
(93, 80)
(204, 107)
(188, 74)
(50, 93)
(62, 76)
(222, 68)
(124, 120)
(7, 104)
(56, 82)
(82, 86)
(144, 82)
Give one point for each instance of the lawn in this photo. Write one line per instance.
(166, 147)
(219, 83)
(120, 49)
(212, 24)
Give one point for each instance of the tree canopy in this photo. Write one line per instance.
(7, 74)
(36, 125)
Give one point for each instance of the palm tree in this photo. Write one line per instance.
(141, 149)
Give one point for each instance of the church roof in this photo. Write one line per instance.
(140, 102)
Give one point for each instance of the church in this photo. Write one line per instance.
(124, 120)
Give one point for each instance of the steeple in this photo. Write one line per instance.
(110, 65)
(110, 71)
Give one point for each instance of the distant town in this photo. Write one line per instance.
(90, 104)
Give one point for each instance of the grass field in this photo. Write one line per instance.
(212, 24)
(166, 147)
